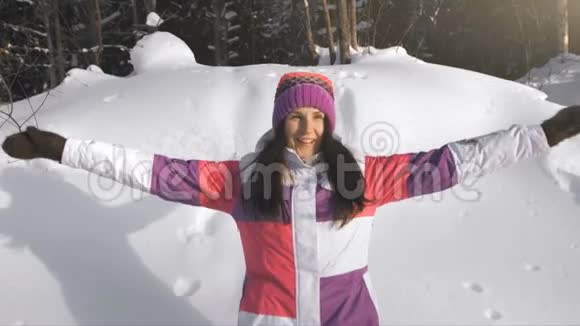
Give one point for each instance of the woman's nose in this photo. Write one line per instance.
(306, 126)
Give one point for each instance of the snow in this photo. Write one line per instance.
(161, 51)
(94, 68)
(154, 20)
(184, 287)
(560, 78)
(230, 15)
(78, 249)
(366, 54)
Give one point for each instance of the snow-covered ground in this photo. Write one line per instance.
(78, 249)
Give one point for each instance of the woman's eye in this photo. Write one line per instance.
(319, 117)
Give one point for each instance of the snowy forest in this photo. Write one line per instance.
(41, 39)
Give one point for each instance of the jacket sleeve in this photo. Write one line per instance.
(211, 184)
(401, 176)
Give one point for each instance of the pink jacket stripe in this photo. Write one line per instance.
(211, 184)
(401, 176)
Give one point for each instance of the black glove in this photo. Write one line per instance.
(564, 124)
(34, 143)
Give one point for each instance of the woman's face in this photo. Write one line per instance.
(304, 128)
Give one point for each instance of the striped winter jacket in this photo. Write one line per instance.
(300, 268)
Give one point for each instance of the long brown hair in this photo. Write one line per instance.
(266, 195)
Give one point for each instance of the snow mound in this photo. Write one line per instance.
(161, 51)
(564, 165)
(560, 79)
(367, 54)
(371, 54)
(154, 20)
(94, 68)
(78, 77)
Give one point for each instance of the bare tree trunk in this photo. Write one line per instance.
(311, 46)
(563, 34)
(524, 39)
(98, 31)
(58, 40)
(329, 32)
(134, 12)
(420, 7)
(92, 34)
(52, 67)
(343, 31)
(220, 49)
(150, 5)
(252, 33)
(436, 11)
(413, 17)
(352, 19)
(376, 21)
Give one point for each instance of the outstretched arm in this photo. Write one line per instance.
(401, 176)
(211, 184)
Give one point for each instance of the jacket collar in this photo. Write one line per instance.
(296, 166)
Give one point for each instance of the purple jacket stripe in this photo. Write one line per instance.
(176, 180)
(345, 300)
(431, 171)
(324, 205)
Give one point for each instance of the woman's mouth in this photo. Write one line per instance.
(305, 141)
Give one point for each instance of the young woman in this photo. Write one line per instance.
(303, 203)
